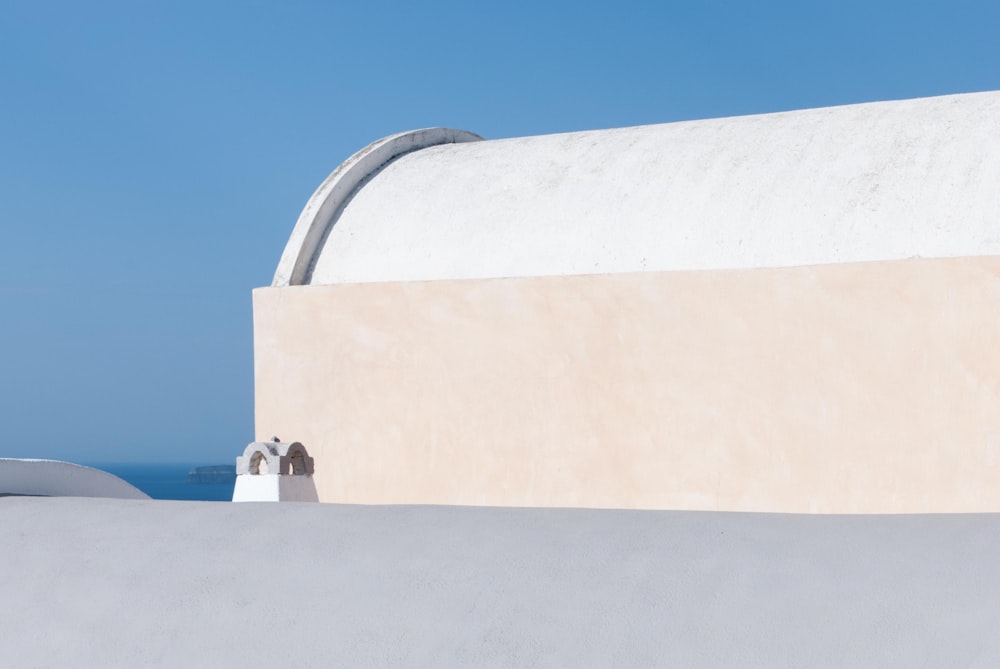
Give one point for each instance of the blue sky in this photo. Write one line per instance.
(155, 155)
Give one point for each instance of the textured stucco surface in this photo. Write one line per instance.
(115, 583)
(851, 388)
(876, 181)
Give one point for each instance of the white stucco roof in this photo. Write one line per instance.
(874, 181)
(124, 583)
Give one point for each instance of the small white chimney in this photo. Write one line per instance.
(270, 471)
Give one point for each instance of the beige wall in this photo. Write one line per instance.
(869, 387)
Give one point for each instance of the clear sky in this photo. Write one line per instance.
(155, 156)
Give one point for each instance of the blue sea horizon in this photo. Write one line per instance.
(168, 480)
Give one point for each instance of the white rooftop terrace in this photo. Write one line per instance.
(130, 583)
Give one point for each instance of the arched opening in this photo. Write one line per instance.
(258, 463)
(298, 461)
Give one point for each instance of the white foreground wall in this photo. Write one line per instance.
(109, 583)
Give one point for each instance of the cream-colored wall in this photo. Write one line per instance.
(867, 387)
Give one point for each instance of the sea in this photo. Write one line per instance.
(172, 480)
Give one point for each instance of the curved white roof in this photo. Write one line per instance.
(874, 181)
(54, 478)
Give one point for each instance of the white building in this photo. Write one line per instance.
(785, 312)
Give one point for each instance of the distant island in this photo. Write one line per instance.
(212, 474)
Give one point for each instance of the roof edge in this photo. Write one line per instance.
(55, 478)
(327, 203)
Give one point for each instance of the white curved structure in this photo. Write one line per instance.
(52, 478)
(880, 181)
(786, 312)
(327, 204)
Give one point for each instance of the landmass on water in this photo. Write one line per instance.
(212, 474)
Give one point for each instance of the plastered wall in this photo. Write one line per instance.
(851, 388)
